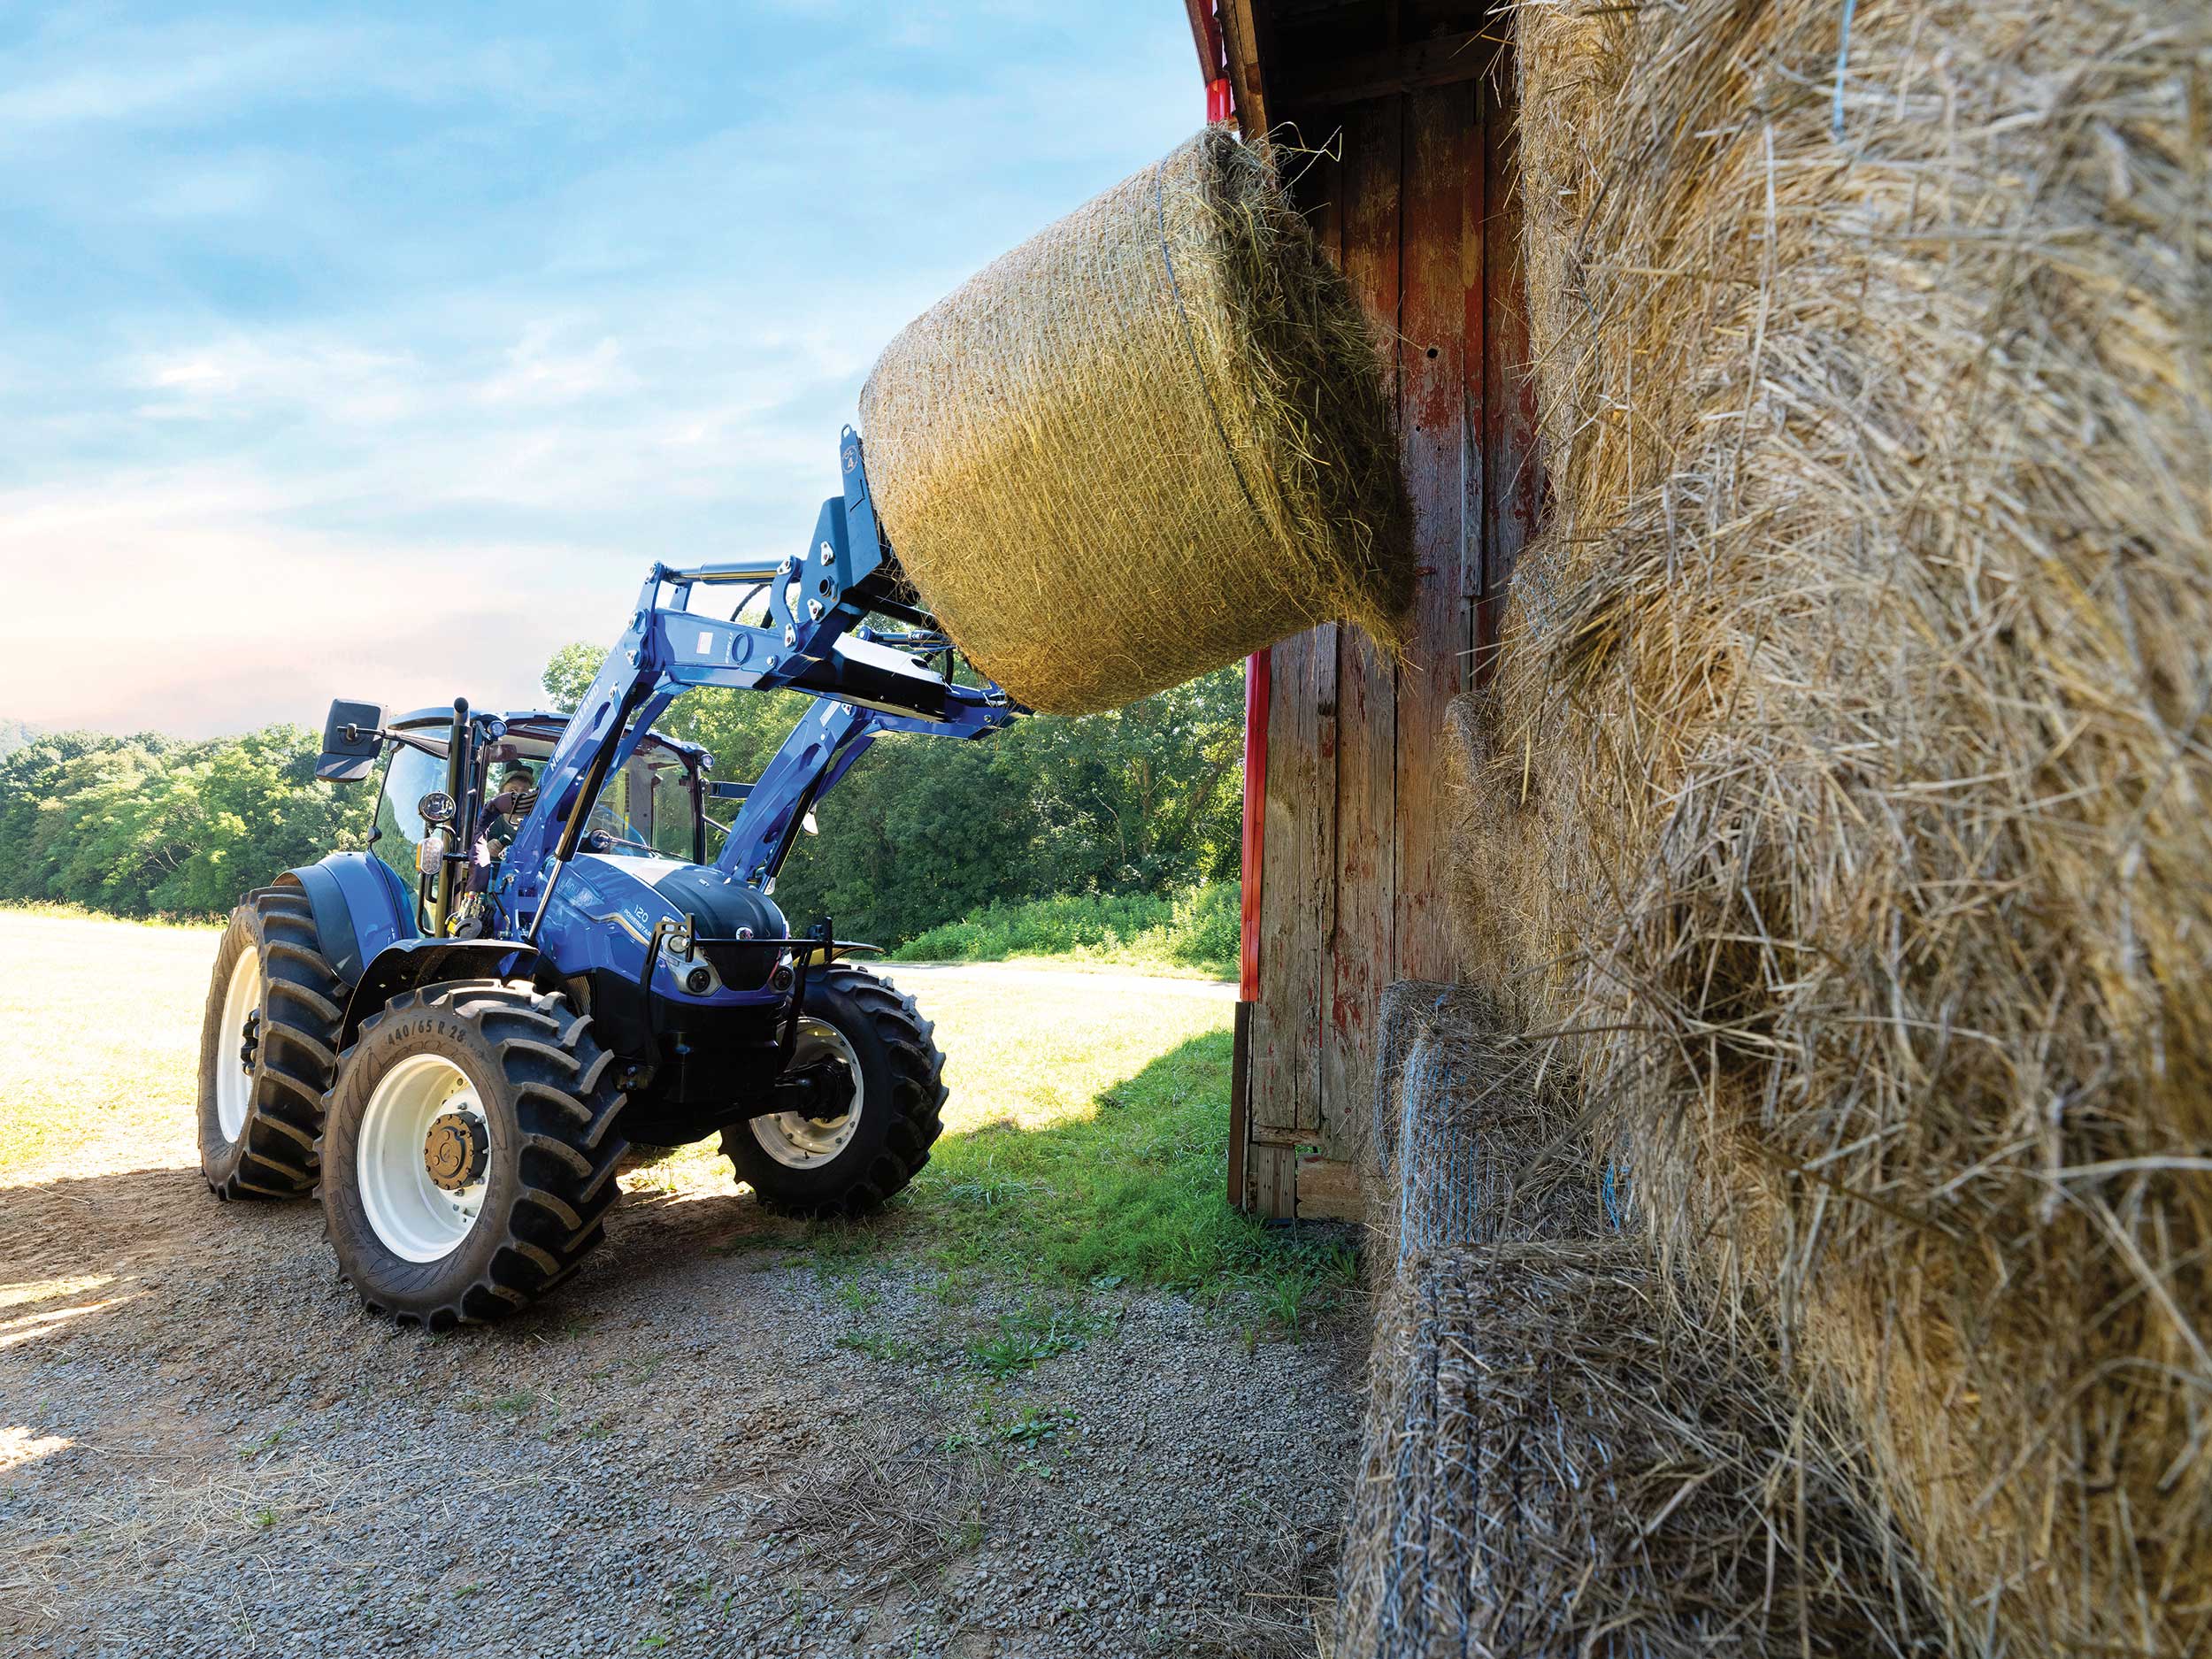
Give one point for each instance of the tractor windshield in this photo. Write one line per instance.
(409, 775)
(648, 806)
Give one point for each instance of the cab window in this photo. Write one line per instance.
(670, 815)
(409, 775)
(645, 808)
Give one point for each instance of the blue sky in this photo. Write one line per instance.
(376, 350)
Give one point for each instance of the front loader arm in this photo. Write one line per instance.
(820, 749)
(816, 639)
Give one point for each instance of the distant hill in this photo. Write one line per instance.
(13, 735)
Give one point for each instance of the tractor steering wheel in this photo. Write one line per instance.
(605, 841)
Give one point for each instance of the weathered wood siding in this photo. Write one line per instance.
(1415, 202)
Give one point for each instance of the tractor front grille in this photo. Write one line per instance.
(741, 966)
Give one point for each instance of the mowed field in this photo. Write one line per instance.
(1059, 1399)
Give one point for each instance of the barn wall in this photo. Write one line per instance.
(1414, 200)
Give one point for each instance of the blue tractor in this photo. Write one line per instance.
(453, 1036)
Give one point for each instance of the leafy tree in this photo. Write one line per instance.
(145, 824)
(922, 832)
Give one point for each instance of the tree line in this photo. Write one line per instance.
(922, 832)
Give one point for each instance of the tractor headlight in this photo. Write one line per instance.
(430, 853)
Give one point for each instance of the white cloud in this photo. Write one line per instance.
(353, 357)
(83, 75)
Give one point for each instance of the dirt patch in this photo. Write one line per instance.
(723, 1438)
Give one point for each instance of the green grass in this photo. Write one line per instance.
(1030, 1336)
(1085, 1148)
(1126, 1188)
(518, 1403)
(1194, 931)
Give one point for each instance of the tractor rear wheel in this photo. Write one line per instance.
(469, 1156)
(267, 1049)
(850, 1164)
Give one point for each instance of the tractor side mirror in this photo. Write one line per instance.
(353, 736)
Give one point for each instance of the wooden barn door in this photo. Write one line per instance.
(1416, 201)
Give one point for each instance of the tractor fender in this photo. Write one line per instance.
(412, 964)
(359, 909)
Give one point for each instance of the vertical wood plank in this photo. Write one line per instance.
(1284, 1098)
(1474, 265)
(1359, 953)
(1240, 1106)
(1513, 479)
(1443, 164)
(1274, 1182)
(1325, 180)
(1285, 1093)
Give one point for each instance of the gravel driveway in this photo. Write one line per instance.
(706, 1444)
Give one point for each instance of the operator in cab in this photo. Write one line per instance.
(517, 792)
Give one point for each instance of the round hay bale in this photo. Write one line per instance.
(1148, 441)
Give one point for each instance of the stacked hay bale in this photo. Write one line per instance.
(1848, 781)
(1556, 1461)
(1147, 441)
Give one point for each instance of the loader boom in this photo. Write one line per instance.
(815, 639)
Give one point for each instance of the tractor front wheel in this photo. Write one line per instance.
(468, 1161)
(849, 1163)
(266, 1050)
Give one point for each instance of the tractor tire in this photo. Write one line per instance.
(267, 1049)
(851, 1164)
(469, 1153)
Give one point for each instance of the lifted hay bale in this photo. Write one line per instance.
(1150, 440)
(1847, 773)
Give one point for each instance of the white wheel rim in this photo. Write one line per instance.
(415, 1219)
(233, 1077)
(803, 1143)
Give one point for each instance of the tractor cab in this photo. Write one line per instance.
(650, 807)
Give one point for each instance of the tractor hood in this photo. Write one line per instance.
(636, 894)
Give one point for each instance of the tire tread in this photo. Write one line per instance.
(302, 1002)
(917, 1065)
(565, 1105)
